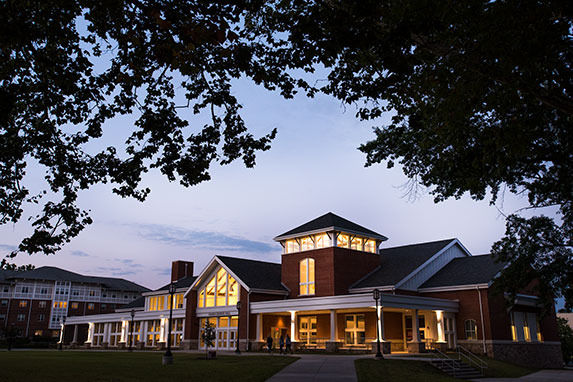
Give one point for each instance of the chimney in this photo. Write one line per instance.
(181, 269)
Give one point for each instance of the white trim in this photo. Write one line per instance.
(164, 292)
(431, 259)
(354, 301)
(371, 289)
(330, 229)
(115, 317)
(508, 342)
(270, 291)
(453, 288)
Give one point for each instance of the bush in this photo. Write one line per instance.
(566, 336)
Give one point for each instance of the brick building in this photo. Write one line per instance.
(33, 303)
(433, 295)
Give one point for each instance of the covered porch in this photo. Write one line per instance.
(348, 323)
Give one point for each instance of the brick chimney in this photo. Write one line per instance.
(181, 269)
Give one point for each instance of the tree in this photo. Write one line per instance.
(566, 336)
(482, 96)
(68, 67)
(13, 267)
(208, 335)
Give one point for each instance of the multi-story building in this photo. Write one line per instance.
(34, 303)
(432, 295)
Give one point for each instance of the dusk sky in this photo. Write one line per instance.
(313, 168)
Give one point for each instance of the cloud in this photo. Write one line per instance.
(8, 247)
(129, 262)
(79, 253)
(214, 241)
(162, 271)
(115, 271)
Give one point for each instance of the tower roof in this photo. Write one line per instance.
(330, 222)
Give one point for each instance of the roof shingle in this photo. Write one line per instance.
(465, 271)
(256, 274)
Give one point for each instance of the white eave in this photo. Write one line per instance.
(331, 229)
(451, 288)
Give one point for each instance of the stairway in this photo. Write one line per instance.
(456, 368)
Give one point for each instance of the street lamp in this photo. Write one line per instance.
(131, 331)
(376, 295)
(238, 325)
(168, 357)
(60, 348)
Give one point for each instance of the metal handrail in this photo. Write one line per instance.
(472, 358)
(446, 360)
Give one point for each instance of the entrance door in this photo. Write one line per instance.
(223, 339)
(449, 332)
(308, 330)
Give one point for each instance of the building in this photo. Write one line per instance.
(433, 295)
(33, 303)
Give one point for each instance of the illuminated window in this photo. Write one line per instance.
(221, 290)
(38, 333)
(539, 336)
(60, 304)
(306, 243)
(91, 306)
(23, 303)
(75, 305)
(370, 246)
(354, 331)
(342, 241)
(322, 241)
(153, 331)
(356, 243)
(471, 330)
(115, 333)
(157, 303)
(176, 331)
(306, 267)
(177, 301)
(292, 246)
(98, 334)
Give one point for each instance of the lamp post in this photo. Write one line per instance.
(238, 351)
(168, 357)
(376, 295)
(131, 331)
(11, 336)
(60, 347)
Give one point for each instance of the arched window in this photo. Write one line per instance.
(471, 330)
(306, 267)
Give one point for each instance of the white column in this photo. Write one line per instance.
(260, 327)
(415, 327)
(106, 329)
(90, 332)
(293, 326)
(163, 331)
(333, 325)
(143, 331)
(440, 326)
(381, 323)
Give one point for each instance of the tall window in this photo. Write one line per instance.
(355, 332)
(322, 241)
(221, 290)
(526, 331)
(306, 243)
(98, 334)
(356, 243)
(370, 246)
(153, 331)
(342, 240)
(306, 276)
(115, 333)
(471, 330)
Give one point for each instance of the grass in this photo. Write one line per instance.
(395, 370)
(500, 369)
(48, 366)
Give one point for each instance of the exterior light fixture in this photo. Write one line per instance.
(131, 331)
(168, 357)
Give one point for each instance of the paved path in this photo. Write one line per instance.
(540, 376)
(319, 368)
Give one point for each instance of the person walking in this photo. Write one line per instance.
(288, 345)
(270, 343)
(281, 344)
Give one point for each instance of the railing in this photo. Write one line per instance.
(471, 359)
(447, 362)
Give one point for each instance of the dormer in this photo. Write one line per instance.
(326, 255)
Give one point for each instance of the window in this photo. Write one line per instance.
(153, 331)
(356, 243)
(103, 306)
(221, 290)
(6, 288)
(92, 293)
(25, 289)
(2, 317)
(43, 290)
(526, 331)
(176, 331)
(75, 305)
(292, 246)
(23, 303)
(471, 330)
(38, 333)
(370, 246)
(4, 303)
(115, 333)
(21, 317)
(306, 267)
(157, 303)
(60, 304)
(41, 317)
(306, 243)
(322, 241)
(91, 306)
(354, 331)
(98, 334)
(342, 241)
(177, 301)
(307, 330)
(42, 304)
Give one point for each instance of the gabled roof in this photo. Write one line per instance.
(398, 262)
(137, 304)
(330, 222)
(465, 271)
(185, 282)
(58, 274)
(255, 274)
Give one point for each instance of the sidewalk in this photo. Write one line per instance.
(540, 376)
(320, 368)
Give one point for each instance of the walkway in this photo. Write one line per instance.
(319, 368)
(540, 376)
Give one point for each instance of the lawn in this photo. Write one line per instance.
(48, 366)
